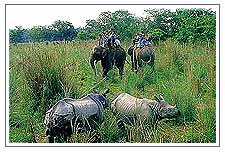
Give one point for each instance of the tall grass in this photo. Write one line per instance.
(42, 74)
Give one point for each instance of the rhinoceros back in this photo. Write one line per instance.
(59, 114)
(128, 105)
(87, 108)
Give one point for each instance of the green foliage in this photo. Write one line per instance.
(85, 35)
(64, 30)
(163, 20)
(184, 25)
(58, 31)
(36, 33)
(18, 35)
(108, 130)
(196, 25)
(157, 35)
(42, 74)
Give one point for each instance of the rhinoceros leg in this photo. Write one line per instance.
(65, 138)
(68, 132)
(50, 139)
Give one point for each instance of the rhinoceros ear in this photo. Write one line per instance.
(161, 97)
(105, 91)
(157, 99)
(95, 90)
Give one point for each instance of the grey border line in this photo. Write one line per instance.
(219, 75)
(5, 76)
(109, 143)
(108, 4)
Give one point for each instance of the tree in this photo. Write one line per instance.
(125, 23)
(36, 34)
(18, 35)
(104, 21)
(184, 25)
(195, 25)
(162, 19)
(63, 30)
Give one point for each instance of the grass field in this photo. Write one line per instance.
(41, 74)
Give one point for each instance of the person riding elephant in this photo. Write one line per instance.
(141, 52)
(102, 39)
(113, 40)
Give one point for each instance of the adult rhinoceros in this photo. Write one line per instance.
(67, 113)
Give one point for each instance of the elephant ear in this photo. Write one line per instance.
(104, 53)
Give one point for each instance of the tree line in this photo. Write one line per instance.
(184, 25)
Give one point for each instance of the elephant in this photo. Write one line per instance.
(109, 56)
(141, 56)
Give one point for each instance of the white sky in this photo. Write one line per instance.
(31, 15)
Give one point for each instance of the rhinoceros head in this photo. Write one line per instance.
(166, 110)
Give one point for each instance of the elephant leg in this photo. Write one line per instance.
(121, 71)
(92, 62)
(141, 65)
(152, 64)
(135, 63)
(132, 62)
(119, 63)
(105, 70)
(65, 138)
(121, 68)
(106, 65)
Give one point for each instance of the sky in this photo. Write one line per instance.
(28, 16)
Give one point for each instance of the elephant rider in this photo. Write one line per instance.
(136, 39)
(113, 39)
(144, 40)
(102, 39)
(149, 38)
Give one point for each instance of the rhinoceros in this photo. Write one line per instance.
(153, 110)
(63, 117)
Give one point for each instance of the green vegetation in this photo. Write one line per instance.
(183, 25)
(41, 74)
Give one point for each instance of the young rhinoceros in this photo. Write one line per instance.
(67, 113)
(153, 110)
